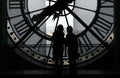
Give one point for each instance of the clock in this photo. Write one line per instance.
(31, 23)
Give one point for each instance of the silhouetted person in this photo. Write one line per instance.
(72, 44)
(58, 40)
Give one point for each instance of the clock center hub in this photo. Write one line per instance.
(59, 6)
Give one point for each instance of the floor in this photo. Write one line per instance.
(63, 73)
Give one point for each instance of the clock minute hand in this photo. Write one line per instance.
(31, 29)
(47, 11)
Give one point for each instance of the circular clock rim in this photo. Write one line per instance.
(79, 34)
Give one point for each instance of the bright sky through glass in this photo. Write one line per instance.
(86, 15)
(50, 24)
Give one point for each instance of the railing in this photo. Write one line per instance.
(48, 48)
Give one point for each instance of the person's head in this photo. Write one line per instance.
(60, 27)
(69, 29)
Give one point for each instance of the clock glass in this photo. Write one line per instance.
(31, 24)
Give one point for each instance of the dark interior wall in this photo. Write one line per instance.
(11, 60)
(3, 33)
(117, 35)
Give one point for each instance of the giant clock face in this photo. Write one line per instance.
(31, 24)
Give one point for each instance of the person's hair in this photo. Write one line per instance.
(69, 29)
(60, 27)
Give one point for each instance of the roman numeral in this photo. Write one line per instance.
(105, 1)
(107, 6)
(106, 14)
(85, 43)
(80, 46)
(50, 50)
(15, 4)
(102, 26)
(105, 20)
(21, 27)
(38, 45)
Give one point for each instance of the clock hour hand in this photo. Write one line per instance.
(54, 10)
(48, 11)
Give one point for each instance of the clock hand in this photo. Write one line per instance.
(42, 15)
(55, 9)
(48, 11)
(25, 13)
(87, 27)
(31, 29)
